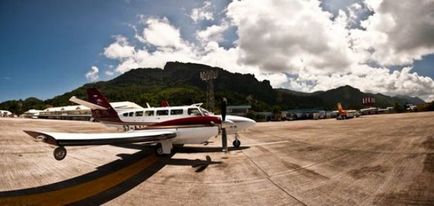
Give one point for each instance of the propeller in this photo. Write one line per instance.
(224, 104)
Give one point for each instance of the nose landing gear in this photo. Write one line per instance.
(236, 143)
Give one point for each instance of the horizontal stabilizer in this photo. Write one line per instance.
(86, 103)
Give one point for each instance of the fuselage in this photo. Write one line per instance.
(154, 115)
(194, 124)
(163, 126)
(178, 116)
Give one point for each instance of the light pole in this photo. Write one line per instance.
(209, 77)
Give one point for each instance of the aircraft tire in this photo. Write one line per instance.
(159, 150)
(236, 143)
(59, 153)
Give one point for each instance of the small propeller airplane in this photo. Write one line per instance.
(162, 126)
(345, 114)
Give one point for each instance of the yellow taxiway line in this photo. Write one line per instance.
(82, 191)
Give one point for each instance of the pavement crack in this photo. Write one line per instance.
(272, 182)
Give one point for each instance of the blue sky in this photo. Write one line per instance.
(48, 46)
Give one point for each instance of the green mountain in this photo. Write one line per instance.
(410, 100)
(352, 98)
(180, 84)
(20, 106)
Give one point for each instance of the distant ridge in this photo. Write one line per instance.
(180, 84)
(351, 97)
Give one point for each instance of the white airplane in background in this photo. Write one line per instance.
(167, 126)
(345, 114)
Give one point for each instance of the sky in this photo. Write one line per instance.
(50, 47)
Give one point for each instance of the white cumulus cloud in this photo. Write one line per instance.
(159, 33)
(119, 49)
(109, 73)
(202, 13)
(212, 33)
(297, 45)
(93, 74)
(286, 36)
(399, 32)
(167, 44)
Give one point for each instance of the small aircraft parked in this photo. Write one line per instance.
(167, 126)
(346, 114)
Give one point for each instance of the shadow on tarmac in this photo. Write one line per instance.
(183, 149)
(126, 160)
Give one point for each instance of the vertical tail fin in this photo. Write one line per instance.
(164, 103)
(340, 108)
(109, 115)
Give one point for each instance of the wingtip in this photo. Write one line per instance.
(40, 136)
(31, 133)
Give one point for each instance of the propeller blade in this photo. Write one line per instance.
(224, 104)
(224, 140)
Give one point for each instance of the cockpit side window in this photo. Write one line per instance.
(131, 114)
(162, 112)
(149, 113)
(125, 114)
(176, 112)
(193, 111)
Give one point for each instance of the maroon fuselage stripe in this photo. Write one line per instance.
(190, 121)
(194, 120)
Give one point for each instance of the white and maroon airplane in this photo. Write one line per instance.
(163, 126)
(150, 117)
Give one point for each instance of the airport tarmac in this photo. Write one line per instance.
(371, 160)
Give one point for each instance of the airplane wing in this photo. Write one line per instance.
(76, 139)
(86, 103)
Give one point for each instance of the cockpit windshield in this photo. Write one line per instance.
(204, 111)
(197, 110)
(194, 111)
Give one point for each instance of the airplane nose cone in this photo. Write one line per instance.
(241, 122)
(252, 122)
(249, 121)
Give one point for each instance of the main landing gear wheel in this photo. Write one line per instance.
(59, 153)
(159, 150)
(236, 143)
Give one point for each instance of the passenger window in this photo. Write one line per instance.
(139, 113)
(131, 114)
(125, 114)
(193, 111)
(149, 113)
(162, 112)
(176, 112)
